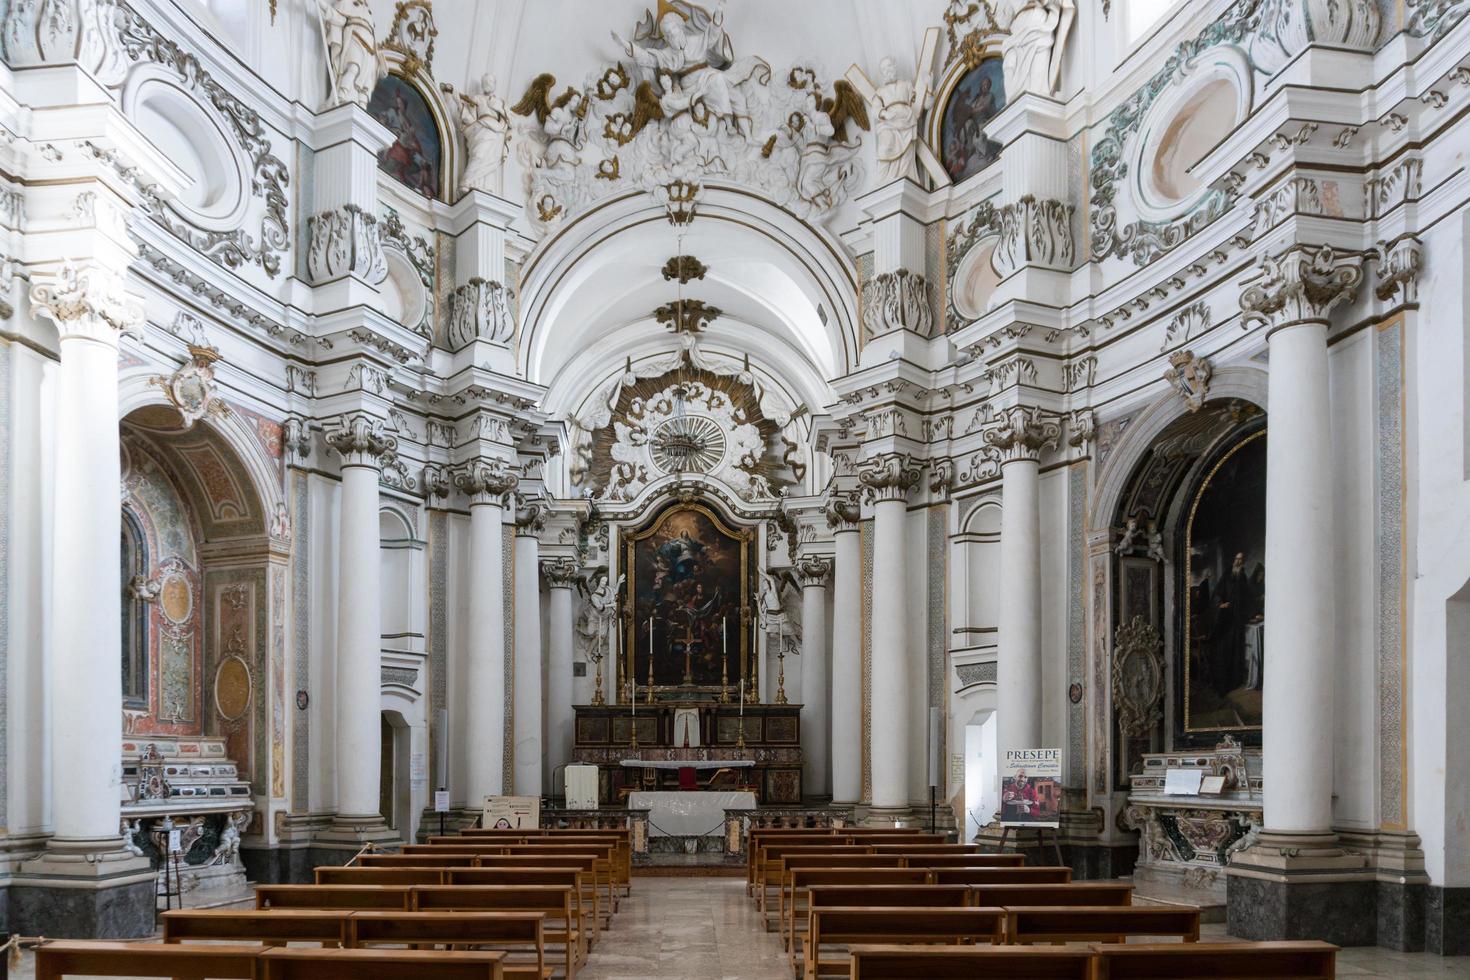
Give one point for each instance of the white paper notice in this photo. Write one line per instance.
(1182, 782)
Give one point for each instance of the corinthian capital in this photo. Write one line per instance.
(530, 515)
(889, 477)
(561, 573)
(92, 302)
(1021, 433)
(812, 571)
(485, 481)
(1301, 285)
(843, 510)
(1399, 263)
(361, 440)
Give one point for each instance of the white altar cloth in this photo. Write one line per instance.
(690, 764)
(689, 814)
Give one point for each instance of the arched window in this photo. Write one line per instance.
(134, 614)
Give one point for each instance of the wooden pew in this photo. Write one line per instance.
(585, 897)
(799, 879)
(622, 839)
(104, 959)
(769, 865)
(792, 862)
(557, 903)
(377, 964)
(270, 926)
(352, 929)
(1110, 893)
(999, 876)
(353, 875)
(1092, 923)
(889, 896)
(586, 863)
(1010, 859)
(955, 962)
(1180, 961)
(416, 860)
(933, 850)
(512, 930)
(911, 926)
(817, 837)
(364, 897)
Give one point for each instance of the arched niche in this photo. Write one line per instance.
(1186, 619)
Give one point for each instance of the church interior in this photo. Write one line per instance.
(860, 488)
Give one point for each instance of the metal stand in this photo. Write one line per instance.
(1056, 846)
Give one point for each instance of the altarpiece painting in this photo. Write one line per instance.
(1224, 597)
(689, 575)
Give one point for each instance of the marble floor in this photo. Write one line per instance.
(706, 929)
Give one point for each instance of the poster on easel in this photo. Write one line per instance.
(511, 813)
(1031, 788)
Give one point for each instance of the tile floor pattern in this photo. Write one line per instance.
(706, 929)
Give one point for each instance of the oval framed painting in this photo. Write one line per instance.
(970, 96)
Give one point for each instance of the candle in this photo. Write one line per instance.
(742, 697)
(724, 639)
(635, 697)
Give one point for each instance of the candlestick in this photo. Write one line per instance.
(724, 664)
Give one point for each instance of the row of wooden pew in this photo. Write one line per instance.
(888, 903)
(526, 905)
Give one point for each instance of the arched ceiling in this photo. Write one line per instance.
(515, 40)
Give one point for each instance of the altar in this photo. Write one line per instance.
(698, 814)
(756, 750)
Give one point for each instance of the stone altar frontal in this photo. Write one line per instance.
(771, 752)
(694, 814)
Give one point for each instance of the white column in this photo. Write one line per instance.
(561, 575)
(486, 482)
(1019, 435)
(812, 571)
(1293, 296)
(847, 667)
(88, 308)
(887, 481)
(1298, 683)
(530, 518)
(361, 440)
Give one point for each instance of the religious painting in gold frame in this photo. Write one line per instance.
(689, 581)
(971, 93)
(1224, 592)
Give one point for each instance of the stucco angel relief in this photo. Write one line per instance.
(679, 104)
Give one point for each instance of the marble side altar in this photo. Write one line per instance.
(1186, 841)
(188, 785)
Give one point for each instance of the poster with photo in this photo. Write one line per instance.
(511, 813)
(1031, 788)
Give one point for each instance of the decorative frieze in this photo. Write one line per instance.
(889, 477)
(345, 242)
(1304, 283)
(1288, 27)
(361, 440)
(479, 310)
(1193, 320)
(1400, 185)
(485, 481)
(90, 302)
(1190, 376)
(1299, 195)
(1020, 433)
(897, 300)
(1034, 233)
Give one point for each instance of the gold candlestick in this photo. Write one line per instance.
(724, 697)
(633, 734)
(781, 675)
(597, 699)
(648, 698)
(740, 738)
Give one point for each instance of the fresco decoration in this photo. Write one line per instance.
(164, 588)
(416, 157)
(206, 471)
(690, 579)
(1224, 594)
(975, 99)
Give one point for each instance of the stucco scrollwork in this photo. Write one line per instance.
(1138, 677)
(1303, 283)
(345, 242)
(480, 310)
(898, 300)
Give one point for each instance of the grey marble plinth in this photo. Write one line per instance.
(1447, 920)
(281, 865)
(1340, 912)
(116, 912)
(1401, 919)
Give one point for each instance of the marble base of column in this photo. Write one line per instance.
(354, 832)
(1301, 886)
(84, 889)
